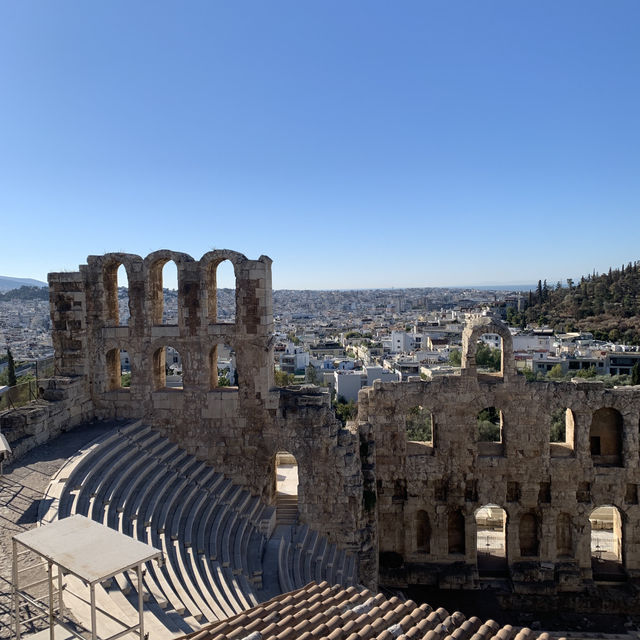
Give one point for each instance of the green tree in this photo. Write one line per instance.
(488, 357)
(489, 425)
(418, 424)
(125, 379)
(556, 371)
(558, 426)
(635, 374)
(528, 374)
(345, 410)
(455, 357)
(587, 373)
(11, 370)
(311, 375)
(283, 379)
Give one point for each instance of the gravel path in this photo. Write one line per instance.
(21, 488)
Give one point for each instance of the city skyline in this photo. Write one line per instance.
(359, 146)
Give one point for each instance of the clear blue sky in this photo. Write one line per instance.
(357, 143)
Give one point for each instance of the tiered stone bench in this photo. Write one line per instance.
(311, 557)
(212, 532)
(138, 482)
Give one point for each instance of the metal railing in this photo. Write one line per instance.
(29, 389)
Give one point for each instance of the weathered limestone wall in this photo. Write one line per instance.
(64, 404)
(552, 487)
(238, 429)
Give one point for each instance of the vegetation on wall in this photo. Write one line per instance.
(419, 425)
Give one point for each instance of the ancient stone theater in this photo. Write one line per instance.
(193, 468)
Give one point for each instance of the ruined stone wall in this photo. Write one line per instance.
(548, 490)
(238, 429)
(63, 404)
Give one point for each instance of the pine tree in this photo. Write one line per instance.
(11, 370)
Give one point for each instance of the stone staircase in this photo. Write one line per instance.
(286, 509)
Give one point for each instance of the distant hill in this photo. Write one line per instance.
(7, 283)
(25, 293)
(607, 305)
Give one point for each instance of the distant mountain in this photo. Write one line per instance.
(7, 283)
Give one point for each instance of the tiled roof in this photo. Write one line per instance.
(338, 613)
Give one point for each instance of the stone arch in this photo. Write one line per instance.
(564, 536)
(209, 264)
(153, 266)
(606, 526)
(529, 535)
(605, 437)
(491, 540)
(111, 263)
(423, 532)
(470, 336)
(456, 531)
(162, 380)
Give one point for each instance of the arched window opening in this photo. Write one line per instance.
(605, 437)
(491, 544)
(456, 532)
(423, 532)
(224, 375)
(286, 480)
(529, 537)
(489, 353)
(167, 369)
(170, 293)
(116, 292)
(606, 544)
(419, 425)
(123, 296)
(225, 293)
(564, 536)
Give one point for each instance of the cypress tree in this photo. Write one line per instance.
(635, 374)
(11, 370)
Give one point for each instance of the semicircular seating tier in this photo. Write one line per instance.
(213, 533)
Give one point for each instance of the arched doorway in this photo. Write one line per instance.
(491, 541)
(606, 544)
(286, 476)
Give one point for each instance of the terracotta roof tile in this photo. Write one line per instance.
(335, 613)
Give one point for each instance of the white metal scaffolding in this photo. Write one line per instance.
(83, 548)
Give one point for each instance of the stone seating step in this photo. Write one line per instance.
(211, 531)
(102, 459)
